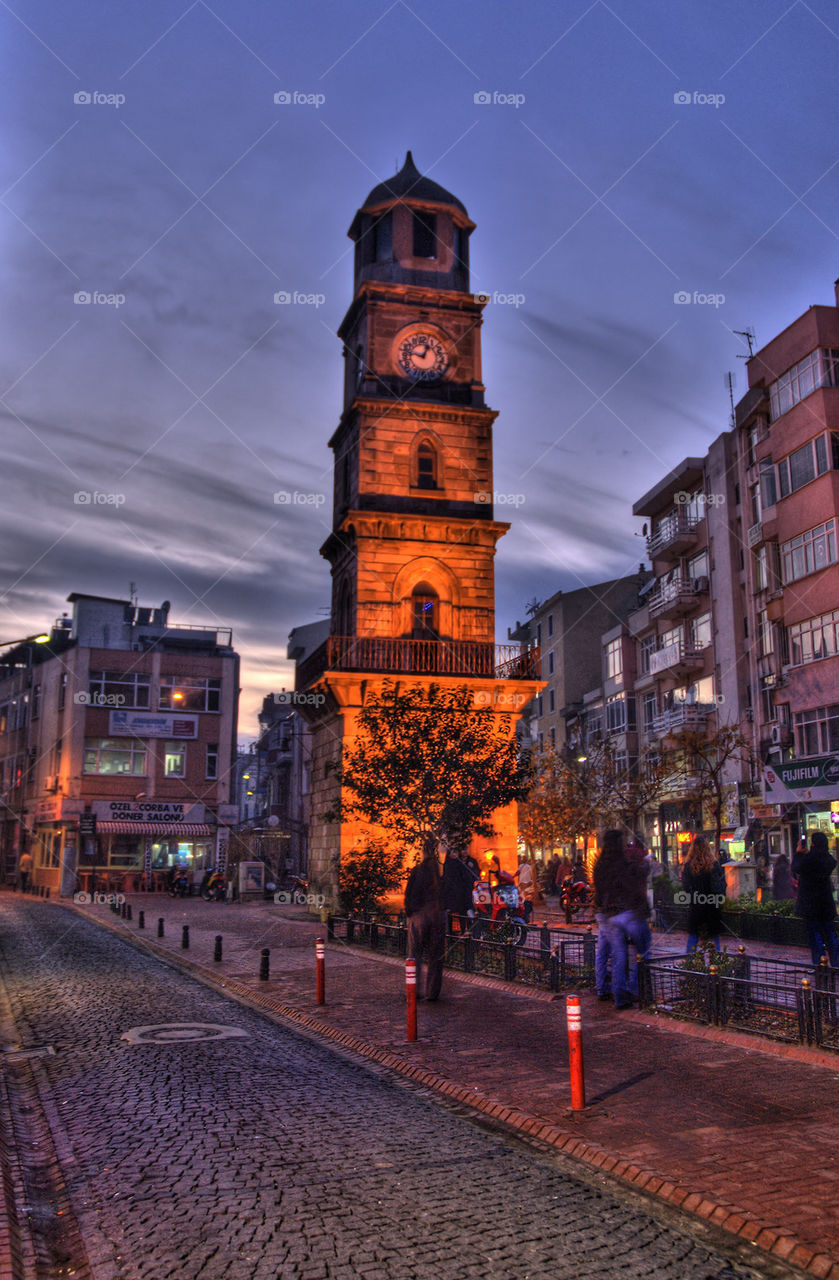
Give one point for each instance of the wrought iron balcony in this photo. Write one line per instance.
(675, 598)
(397, 656)
(684, 717)
(674, 534)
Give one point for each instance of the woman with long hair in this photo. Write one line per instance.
(702, 880)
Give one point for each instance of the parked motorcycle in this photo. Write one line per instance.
(575, 896)
(214, 887)
(179, 885)
(498, 913)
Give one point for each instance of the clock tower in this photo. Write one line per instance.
(413, 532)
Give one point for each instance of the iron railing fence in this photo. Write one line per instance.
(777, 999)
(548, 958)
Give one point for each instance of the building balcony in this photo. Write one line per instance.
(397, 656)
(676, 598)
(677, 659)
(674, 534)
(755, 534)
(683, 718)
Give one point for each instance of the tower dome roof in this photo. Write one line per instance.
(410, 184)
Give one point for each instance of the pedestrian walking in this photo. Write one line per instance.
(426, 922)
(815, 903)
(704, 883)
(456, 888)
(24, 869)
(525, 879)
(782, 887)
(620, 892)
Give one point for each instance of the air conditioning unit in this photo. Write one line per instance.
(51, 782)
(780, 735)
(701, 584)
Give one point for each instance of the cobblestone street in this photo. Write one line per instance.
(265, 1155)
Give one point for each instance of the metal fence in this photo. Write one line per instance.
(549, 958)
(778, 999)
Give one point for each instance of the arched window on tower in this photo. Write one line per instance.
(425, 612)
(344, 611)
(426, 476)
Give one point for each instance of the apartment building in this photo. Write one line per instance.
(117, 745)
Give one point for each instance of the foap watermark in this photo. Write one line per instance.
(99, 899)
(495, 98)
(681, 898)
(93, 498)
(499, 299)
(684, 298)
(291, 698)
(696, 99)
(296, 898)
(294, 98)
(93, 98)
(683, 498)
(99, 699)
(95, 298)
(500, 699)
(286, 298)
(289, 498)
(484, 498)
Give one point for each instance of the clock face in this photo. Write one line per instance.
(422, 357)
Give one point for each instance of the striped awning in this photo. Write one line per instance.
(154, 829)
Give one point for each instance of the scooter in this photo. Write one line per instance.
(215, 888)
(575, 896)
(497, 913)
(179, 888)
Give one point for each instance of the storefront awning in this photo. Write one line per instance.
(154, 829)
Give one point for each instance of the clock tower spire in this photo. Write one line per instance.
(413, 532)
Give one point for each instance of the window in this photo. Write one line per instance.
(211, 761)
(426, 476)
(649, 710)
(189, 693)
(4, 717)
(817, 731)
(809, 551)
(614, 658)
(768, 487)
(804, 465)
(646, 649)
(616, 714)
(814, 639)
(551, 701)
(698, 566)
(818, 369)
(553, 739)
(550, 624)
(62, 692)
(765, 634)
(36, 702)
(383, 238)
(761, 569)
(551, 663)
(22, 710)
(425, 235)
(115, 756)
(119, 689)
(174, 760)
(424, 611)
(700, 631)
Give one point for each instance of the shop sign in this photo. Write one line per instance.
(228, 815)
(57, 809)
(168, 811)
(87, 825)
(148, 724)
(800, 781)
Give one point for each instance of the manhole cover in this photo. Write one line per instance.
(181, 1033)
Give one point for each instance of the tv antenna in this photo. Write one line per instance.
(749, 335)
(534, 606)
(132, 593)
(731, 379)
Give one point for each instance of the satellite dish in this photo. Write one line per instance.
(273, 821)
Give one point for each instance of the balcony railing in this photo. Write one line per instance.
(685, 716)
(420, 657)
(676, 597)
(674, 533)
(674, 657)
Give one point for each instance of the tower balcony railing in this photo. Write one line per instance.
(393, 655)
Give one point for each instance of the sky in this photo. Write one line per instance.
(648, 178)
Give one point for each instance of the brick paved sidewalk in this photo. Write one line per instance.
(745, 1137)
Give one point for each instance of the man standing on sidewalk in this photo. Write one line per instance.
(426, 922)
(24, 868)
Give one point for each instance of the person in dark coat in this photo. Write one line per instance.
(456, 887)
(426, 922)
(703, 880)
(815, 903)
(782, 879)
(620, 897)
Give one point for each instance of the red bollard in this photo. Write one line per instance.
(321, 971)
(411, 997)
(575, 1053)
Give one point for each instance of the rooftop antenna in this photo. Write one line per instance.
(749, 335)
(731, 379)
(132, 593)
(534, 606)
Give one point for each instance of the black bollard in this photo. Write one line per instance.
(217, 948)
(128, 912)
(141, 920)
(185, 938)
(160, 927)
(47, 894)
(263, 964)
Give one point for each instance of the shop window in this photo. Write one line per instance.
(174, 760)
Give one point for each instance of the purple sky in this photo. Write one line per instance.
(597, 198)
